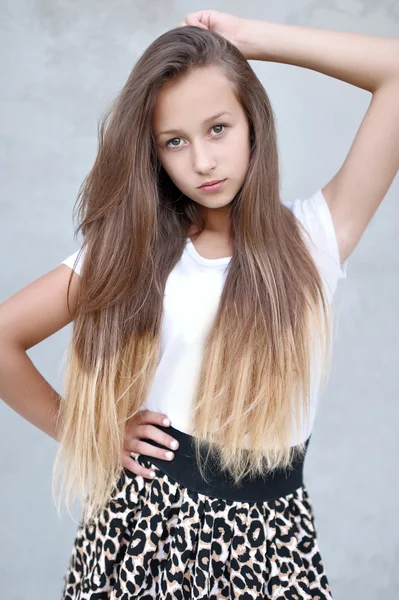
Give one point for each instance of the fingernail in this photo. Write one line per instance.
(166, 422)
(174, 444)
(169, 454)
(152, 474)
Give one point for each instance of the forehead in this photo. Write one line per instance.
(194, 98)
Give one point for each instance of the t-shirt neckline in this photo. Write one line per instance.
(208, 262)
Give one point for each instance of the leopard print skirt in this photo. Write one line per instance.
(166, 539)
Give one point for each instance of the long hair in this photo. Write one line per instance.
(253, 388)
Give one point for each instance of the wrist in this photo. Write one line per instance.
(253, 38)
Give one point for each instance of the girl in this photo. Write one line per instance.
(204, 299)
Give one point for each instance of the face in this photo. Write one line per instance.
(202, 135)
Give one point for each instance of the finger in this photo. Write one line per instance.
(157, 418)
(195, 19)
(132, 465)
(150, 432)
(140, 447)
(150, 416)
(143, 417)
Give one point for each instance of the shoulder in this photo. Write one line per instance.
(315, 216)
(75, 261)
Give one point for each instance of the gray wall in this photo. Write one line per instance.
(61, 63)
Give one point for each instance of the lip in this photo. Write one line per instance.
(215, 185)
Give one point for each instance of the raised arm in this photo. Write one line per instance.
(370, 63)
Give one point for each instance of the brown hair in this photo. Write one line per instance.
(256, 368)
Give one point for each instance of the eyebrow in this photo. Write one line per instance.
(170, 131)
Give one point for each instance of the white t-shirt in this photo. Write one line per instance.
(191, 299)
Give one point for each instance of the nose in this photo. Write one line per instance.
(203, 161)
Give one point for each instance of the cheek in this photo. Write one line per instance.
(165, 164)
(175, 174)
(161, 159)
(239, 143)
(174, 169)
(240, 154)
(172, 172)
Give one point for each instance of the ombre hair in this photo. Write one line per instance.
(254, 386)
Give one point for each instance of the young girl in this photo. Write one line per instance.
(201, 299)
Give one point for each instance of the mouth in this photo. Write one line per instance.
(212, 185)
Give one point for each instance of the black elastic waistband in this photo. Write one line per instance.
(183, 469)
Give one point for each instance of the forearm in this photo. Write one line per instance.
(365, 61)
(26, 391)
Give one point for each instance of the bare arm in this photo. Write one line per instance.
(366, 61)
(369, 62)
(26, 318)
(26, 391)
(30, 316)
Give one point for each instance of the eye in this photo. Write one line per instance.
(177, 138)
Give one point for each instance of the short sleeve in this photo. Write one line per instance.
(70, 261)
(314, 214)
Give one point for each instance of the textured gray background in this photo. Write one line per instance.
(61, 63)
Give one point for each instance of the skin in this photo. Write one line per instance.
(201, 150)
